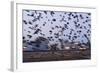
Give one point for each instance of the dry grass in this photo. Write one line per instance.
(29, 56)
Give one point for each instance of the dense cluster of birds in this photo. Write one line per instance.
(56, 26)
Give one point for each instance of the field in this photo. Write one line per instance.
(58, 55)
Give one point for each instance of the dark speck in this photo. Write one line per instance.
(51, 22)
(81, 16)
(75, 22)
(67, 22)
(36, 25)
(52, 28)
(34, 20)
(65, 25)
(70, 14)
(30, 15)
(24, 21)
(89, 25)
(45, 12)
(64, 35)
(89, 13)
(86, 20)
(84, 27)
(63, 29)
(74, 33)
(31, 28)
(69, 37)
(30, 22)
(37, 45)
(53, 19)
(79, 31)
(43, 24)
(28, 31)
(87, 17)
(56, 26)
(23, 37)
(50, 31)
(29, 36)
(36, 32)
(52, 13)
(69, 18)
(41, 17)
(75, 37)
(81, 27)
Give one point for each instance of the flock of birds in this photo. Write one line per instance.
(56, 25)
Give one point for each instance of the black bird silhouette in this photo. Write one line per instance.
(31, 15)
(23, 37)
(36, 25)
(29, 31)
(36, 32)
(81, 16)
(52, 12)
(52, 28)
(50, 32)
(65, 25)
(89, 14)
(45, 12)
(29, 36)
(24, 21)
(30, 22)
(31, 28)
(53, 19)
(75, 22)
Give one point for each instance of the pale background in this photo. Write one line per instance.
(5, 35)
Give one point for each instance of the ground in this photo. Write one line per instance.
(58, 55)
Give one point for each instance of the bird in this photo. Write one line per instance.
(36, 32)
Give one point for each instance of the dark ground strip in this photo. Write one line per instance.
(29, 56)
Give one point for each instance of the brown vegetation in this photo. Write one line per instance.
(29, 56)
